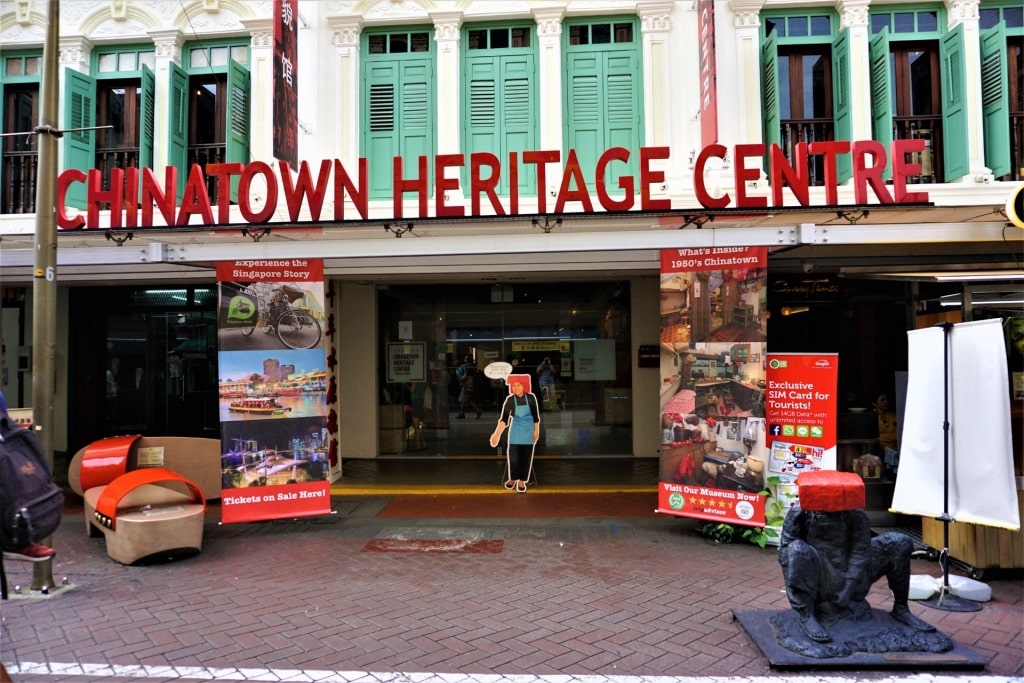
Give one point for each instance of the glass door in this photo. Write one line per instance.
(571, 339)
(144, 361)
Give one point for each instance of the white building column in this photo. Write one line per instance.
(167, 45)
(261, 88)
(447, 32)
(549, 68)
(447, 27)
(656, 28)
(854, 15)
(966, 12)
(747, 25)
(339, 134)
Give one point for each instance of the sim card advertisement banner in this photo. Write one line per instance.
(272, 388)
(800, 410)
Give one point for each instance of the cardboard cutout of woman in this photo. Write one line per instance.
(520, 414)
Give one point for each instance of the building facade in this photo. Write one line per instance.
(496, 181)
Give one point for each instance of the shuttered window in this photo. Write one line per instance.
(806, 85)
(500, 111)
(398, 104)
(918, 79)
(1002, 87)
(603, 95)
(209, 111)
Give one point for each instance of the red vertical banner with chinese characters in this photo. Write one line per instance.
(801, 411)
(708, 74)
(286, 81)
(712, 429)
(272, 390)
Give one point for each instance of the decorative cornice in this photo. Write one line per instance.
(652, 23)
(74, 51)
(345, 29)
(853, 13)
(261, 32)
(746, 13)
(446, 25)
(549, 21)
(960, 11)
(167, 44)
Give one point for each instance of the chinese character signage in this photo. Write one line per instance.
(286, 81)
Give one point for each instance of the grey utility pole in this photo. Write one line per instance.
(44, 277)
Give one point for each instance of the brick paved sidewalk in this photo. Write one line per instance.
(556, 598)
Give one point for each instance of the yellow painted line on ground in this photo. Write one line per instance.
(450, 489)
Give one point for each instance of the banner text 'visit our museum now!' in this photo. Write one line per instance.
(297, 188)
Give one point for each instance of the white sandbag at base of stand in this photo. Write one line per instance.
(923, 586)
(969, 589)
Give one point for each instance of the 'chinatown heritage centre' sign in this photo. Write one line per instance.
(135, 197)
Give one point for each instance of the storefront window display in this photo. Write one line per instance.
(437, 341)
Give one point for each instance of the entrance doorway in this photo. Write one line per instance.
(143, 361)
(572, 338)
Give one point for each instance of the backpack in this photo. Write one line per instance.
(30, 501)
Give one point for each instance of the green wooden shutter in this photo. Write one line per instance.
(237, 124)
(881, 94)
(147, 88)
(955, 153)
(519, 114)
(416, 114)
(481, 102)
(501, 111)
(995, 100)
(841, 93)
(583, 108)
(177, 134)
(79, 146)
(602, 105)
(770, 94)
(381, 135)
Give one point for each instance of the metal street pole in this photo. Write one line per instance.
(44, 276)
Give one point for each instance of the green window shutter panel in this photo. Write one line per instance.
(843, 124)
(501, 115)
(146, 116)
(518, 114)
(770, 93)
(955, 153)
(416, 121)
(79, 146)
(237, 124)
(381, 137)
(177, 135)
(881, 94)
(603, 109)
(995, 100)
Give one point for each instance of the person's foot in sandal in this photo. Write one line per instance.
(521, 486)
(510, 484)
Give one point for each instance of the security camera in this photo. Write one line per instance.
(807, 266)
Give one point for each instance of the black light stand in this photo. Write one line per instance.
(944, 599)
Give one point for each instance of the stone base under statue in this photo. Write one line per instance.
(880, 642)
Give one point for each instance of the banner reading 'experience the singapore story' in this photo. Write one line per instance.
(273, 388)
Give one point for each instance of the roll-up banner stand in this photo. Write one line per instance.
(272, 390)
(713, 453)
